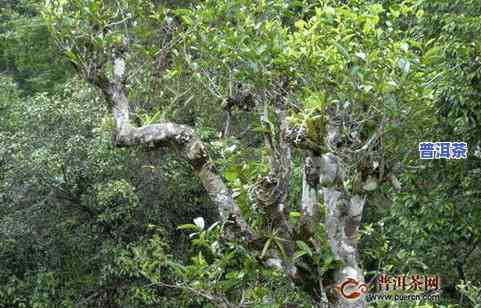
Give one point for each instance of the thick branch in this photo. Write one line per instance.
(272, 190)
(180, 137)
(310, 211)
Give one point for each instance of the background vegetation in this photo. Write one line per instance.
(85, 224)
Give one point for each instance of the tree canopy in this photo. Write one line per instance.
(239, 153)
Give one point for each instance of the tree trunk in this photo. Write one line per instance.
(343, 210)
(343, 217)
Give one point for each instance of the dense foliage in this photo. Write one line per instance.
(85, 222)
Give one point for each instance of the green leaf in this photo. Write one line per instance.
(342, 50)
(181, 12)
(304, 247)
(433, 55)
(294, 214)
(299, 254)
(281, 248)
(300, 24)
(153, 119)
(231, 175)
(187, 227)
(266, 247)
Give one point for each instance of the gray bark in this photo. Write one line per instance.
(272, 190)
(343, 217)
(310, 211)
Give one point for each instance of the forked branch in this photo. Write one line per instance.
(176, 136)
